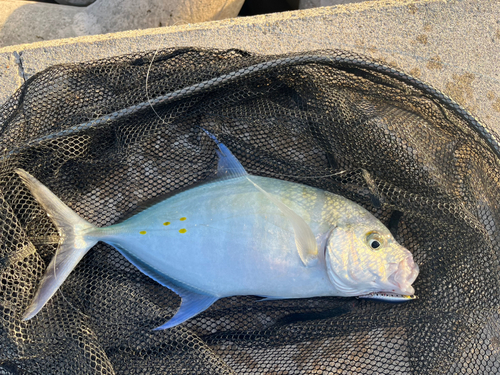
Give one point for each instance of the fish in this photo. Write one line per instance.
(238, 234)
(388, 297)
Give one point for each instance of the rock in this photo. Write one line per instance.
(306, 4)
(27, 21)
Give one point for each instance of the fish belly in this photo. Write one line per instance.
(227, 238)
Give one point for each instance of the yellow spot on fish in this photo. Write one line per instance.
(182, 219)
(142, 232)
(166, 223)
(182, 230)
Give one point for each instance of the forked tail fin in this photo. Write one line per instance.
(77, 236)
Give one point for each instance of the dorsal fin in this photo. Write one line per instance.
(228, 166)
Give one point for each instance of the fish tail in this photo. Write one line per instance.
(76, 237)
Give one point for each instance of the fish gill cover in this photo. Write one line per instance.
(108, 145)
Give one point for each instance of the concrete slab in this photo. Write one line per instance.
(452, 45)
(10, 77)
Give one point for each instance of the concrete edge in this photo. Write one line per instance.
(239, 21)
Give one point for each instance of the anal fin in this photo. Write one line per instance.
(193, 301)
(192, 304)
(273, 298)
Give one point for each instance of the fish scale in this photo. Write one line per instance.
(211, 256)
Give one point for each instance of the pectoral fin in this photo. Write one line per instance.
(304, 236)
(229, 167)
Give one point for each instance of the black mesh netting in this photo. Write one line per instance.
(108, 143)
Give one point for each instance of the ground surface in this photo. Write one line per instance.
(452, 45)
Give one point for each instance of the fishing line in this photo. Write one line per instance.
(336, 61)
(153, 58)
(72, 306)
(296, 176)
(249, 170)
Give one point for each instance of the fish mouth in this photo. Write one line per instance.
(404, 276)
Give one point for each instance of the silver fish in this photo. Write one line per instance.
(388, 297)
(238, 235)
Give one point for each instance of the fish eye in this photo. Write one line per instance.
(374, 240)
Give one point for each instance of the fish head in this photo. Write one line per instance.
(363, 257)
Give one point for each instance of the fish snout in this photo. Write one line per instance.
(405, 275)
